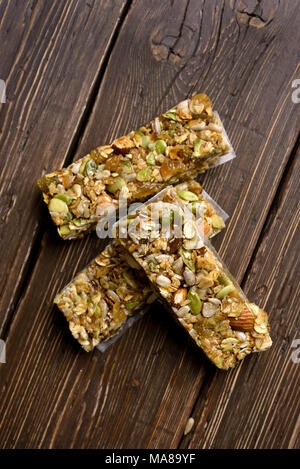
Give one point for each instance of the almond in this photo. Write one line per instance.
(244, 322)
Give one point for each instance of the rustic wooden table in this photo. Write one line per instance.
(79, 73)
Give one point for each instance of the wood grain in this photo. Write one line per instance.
(258, 406)
(50, 59)
(142, 391)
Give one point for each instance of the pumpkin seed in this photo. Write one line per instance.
(171, 115)
(97, 311)
(116, 185)
(131, 305)
(64, 197)
(187, 195)
(79, 221)
(195, 303)
(151, 158)
(145, 140)
(90, 167)
(57, 205)
(144, 174)
(160, 146)
(225, 291)
(197, 146)
(224, 280)
(64, 230)
(217, 222)
(187, 260)
(84, 162)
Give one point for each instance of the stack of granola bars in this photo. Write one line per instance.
(161, 249)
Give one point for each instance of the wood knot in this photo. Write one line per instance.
(174, 45)
(162, 46)
(256, 13)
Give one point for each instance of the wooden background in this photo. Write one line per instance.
(79, 73)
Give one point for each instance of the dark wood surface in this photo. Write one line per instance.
(78, 74)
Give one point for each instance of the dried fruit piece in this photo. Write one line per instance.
(123, 144)
(171, 168)
(114, 163)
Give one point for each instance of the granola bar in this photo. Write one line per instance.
(186, 140)
(193, 282)
(100, 300)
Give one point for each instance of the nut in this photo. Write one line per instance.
(189, 277)
(163, 281)
(244, 322)
(210, 309)
(180, 296)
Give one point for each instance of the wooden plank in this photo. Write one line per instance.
(50, 59)
(141, 392)
(257, 406)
